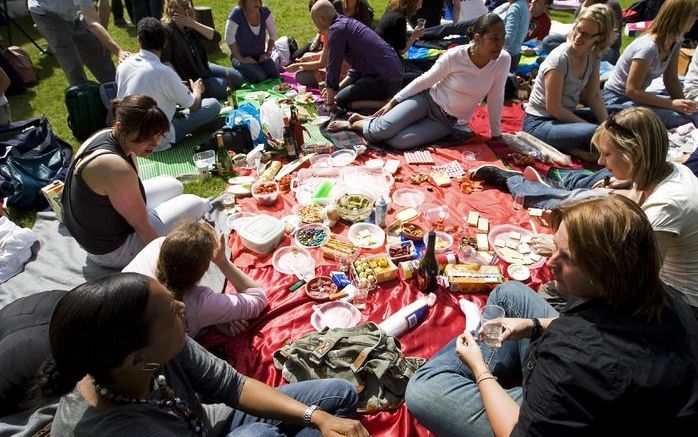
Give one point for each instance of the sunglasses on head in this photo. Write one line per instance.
(611, 123)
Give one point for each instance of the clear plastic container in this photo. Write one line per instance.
(262, 233)
(265, 192)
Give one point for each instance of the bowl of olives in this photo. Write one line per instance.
(354, 207)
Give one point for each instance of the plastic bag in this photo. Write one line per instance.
(247, 114)
(273, 119)
(15, 248)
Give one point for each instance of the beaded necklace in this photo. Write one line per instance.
(169, 400)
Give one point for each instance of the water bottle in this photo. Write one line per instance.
(381, 211)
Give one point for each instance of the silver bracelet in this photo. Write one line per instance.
(308, 414)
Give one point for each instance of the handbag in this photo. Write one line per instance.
(235, 139)
(31, 157)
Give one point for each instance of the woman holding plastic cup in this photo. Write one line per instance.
(586, 372)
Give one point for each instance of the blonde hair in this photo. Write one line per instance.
(671, 22)
(612, 242)
(640, 136)
(184, 257)
(405, 7)
(604, 18)
(184, 5)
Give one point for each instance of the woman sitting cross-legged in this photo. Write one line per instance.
(106, 207)
(633, 147)
(181, 259)
(570, 74)
(121, 350)
(428, 108)
(620, 361)
(655, 54)
(188, 56)
(245, 33)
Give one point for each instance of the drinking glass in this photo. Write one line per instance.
(491, 323)
(361, 293)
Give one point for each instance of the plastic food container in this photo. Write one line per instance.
(355, 207)
(403, 251)
(265, 192)
(444, 241)
(408, 197)
(321, 160)
(262, 233)
(312, 235)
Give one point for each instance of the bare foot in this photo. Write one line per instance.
(356, 117)
(338, 125)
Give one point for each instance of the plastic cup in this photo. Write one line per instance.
(421, 22)
(491, 323)
(362, 287)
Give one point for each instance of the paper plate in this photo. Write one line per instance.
(256, 95)
(377, 235)
(291, 259)
(343, 157)
(241, 180)
(304, 99)
(337, 314)
(503, 232)
(408, 197)
(320, 120)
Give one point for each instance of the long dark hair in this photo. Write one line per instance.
(94, 327)
(483, 24)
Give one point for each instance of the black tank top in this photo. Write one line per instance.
(90, 217)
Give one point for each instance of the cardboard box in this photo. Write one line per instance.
(53, 192)
(382, 274)
(685, 56)
(472, 278)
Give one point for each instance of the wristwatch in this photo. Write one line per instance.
(537, 329)
(308, 414)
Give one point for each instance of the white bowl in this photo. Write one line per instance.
(447, 238)
(343, 157)
(376, 239)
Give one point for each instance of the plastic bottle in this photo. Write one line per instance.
(428, 268)
(408, 316)
(381, 211)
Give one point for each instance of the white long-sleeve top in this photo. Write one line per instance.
(458, 86)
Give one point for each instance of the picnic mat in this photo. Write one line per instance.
(287, 317)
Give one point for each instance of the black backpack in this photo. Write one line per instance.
(237, 139)
(86, 112)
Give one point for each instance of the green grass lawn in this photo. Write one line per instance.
(46, 98)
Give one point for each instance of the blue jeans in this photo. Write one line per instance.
(575, 184)
(335, 396)
(415, 121)
(221, 78)
(192, 120)
(561, 134)
(692, 162)
(670, 118)
(443, 395)
(256, 73)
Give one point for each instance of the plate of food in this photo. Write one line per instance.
(282, 88)
(305, 98)
(512, 244)
(257, 95)
(320, 288)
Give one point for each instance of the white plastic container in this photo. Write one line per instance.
(408, 316)
(262, 233)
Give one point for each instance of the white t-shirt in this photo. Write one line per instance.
(673, 207)
(204, 307)
(690, 82)
(458, 86)
(470, 9)
(143, 73)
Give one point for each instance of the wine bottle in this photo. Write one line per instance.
(428, 267)
(224, 162)
(289, 141)
(296, 126)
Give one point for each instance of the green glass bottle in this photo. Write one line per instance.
(224, 163)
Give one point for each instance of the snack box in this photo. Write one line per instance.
(402, 251)
(336, 247)
(380, 266)
(472, 278)
(53, 192)
(262, 233)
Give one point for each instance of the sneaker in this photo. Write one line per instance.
(532, 175)
(120, 22)
(493, 175)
